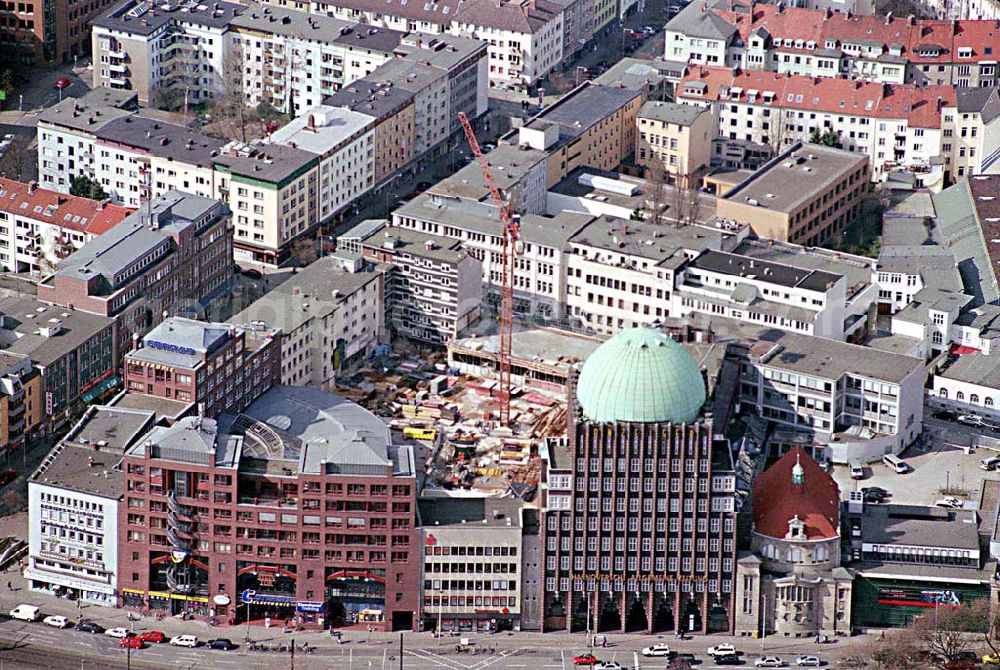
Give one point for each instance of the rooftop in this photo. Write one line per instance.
(791, 180)
(829, 359)
(378, 234)
(166, 140)
(409, 74)
(634, 73)
(88, 457)
(181, 342)
(322, 129)
(273, 163)
(779, 274)
(932, 299)
(440, 13)
(857, 269)
(978, 369)
(518, 16)
(276, 20)
(67, 211)
(920, 526)
(961, 225)
(313, 292)
(661, 244)
(369, 38)
(163, 408)
(91, 111)
(561, 349)
(371, 97)
(582, 108)
(461, 511)
(442, 50)
(509, 165)
(44, 332)
(778, 498)
(192, 439)
(146, 18)
(671, 112)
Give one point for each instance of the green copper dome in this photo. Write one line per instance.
(643, 376)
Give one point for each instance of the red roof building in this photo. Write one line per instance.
(796, 486)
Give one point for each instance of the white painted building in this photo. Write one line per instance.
(73, 503)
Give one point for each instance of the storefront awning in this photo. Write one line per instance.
(108, 383)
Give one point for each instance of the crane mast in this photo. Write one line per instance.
(511, 232)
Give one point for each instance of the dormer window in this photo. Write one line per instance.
(965, 52)
(796, 529)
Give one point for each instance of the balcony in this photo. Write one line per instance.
(116, 53)
(118, 81)
(120, 68)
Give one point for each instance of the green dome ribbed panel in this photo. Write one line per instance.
(643, 376)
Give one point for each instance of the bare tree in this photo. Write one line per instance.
(778, 133)
(305, 250)
(949, 631)
(230, 108)
(686, 204)
(656, 179)
(899, 650)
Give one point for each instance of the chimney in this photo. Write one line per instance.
(32, 186)
(311, 122)
(888, 18)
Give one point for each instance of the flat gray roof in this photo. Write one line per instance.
(443, 50)
(289, 23)
(561, 349)
(671, 112)
(780, 274)
(371, 97)
(920, 526)
(273, 163)
(796, 176)
(332, 127)
(829, 359)
(857, 269)
(927, 299)
(88, 457)
(167, 140)
(91, 111)
(646, 240)
(180, 342)
(978, 369)
(483, 218)
(958, 226)
(23, 317)
(633, 73)
(316, 283)
(582, 108)
(163, 408)
(414, 242)
(193, 439)
(508, 164)
(408, 74)
(461, 511)
(135, 16)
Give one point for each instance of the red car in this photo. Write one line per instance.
(7, 476)
(585, 659)
(131, 643)
(153, 637)
(63, 82)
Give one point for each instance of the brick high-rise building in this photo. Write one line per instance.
(639, 517)
(217, 366)
(300, 505)
(174, 252)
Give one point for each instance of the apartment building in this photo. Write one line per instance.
(855, 402)
(72, 351)
(20, 403)
(40, 227)
(394, 114)
(170, 55)
(176, 250)
(539, 290)
(592, 126)
(674, 139)
(899, 126)
(218, 367)
(429, 87)
(472, 563)
(66, 134)
(433, 286)
(293, 60)
(519, 171)
(266, 494)
(73, 502)
(645, 259)
(825, 43)
(330, 316)
(432, 18)
(342, 141)
(525, 38)
(806, 195)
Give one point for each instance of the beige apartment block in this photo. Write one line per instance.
(675, 137)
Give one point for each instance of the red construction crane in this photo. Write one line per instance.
(511, 225)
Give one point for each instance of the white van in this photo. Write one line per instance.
(184, 641)
(896, 465)
(990, 463)
(26, 613)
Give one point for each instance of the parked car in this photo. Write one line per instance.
(131, 643)
(585, 659)
(768, 662)
(989, 463)
(63, 83)
(970, 419)
(950, 502)
(965, 660)
(90, 627)
(657, 650)
(991, 659)
(253, 273)
(118, 632)
(857, 471)
(723, 649)
(56, 621)
(184, 641)
(153, 637)
(728, 659)
(26, 613)
(7, 476)
(649, 31)
(808, 661)
(221, 643)
(686, 657)
(945, 415)
(608, 665)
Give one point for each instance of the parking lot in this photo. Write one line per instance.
(940, 462)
